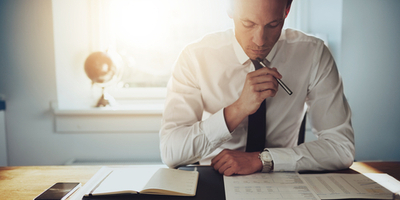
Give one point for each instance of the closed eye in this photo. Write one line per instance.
(274, 24)
(248, 24)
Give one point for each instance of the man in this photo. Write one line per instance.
(216, 76)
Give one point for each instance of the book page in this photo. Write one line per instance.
(345, 186)
(267, 186)
(172, 182)
(125, 180)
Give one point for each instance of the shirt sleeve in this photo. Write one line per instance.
(330, 118)
(184, 137)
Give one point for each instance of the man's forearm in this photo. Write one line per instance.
(233, 116)
(185, 144)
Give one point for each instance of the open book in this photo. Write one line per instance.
(157, 181)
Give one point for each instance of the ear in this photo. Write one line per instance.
(287, 10)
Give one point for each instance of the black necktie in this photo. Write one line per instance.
(256, 130)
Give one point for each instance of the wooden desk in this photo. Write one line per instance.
(26, 182)
(29, 181)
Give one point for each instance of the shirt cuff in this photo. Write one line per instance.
(284, 159)
(215, 129)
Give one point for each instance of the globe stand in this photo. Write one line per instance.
(104, 69)
(105, 100)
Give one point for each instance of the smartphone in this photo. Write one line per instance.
(58, 191)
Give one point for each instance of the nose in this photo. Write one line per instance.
(259, 37)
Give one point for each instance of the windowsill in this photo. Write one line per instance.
(138, 116)
(134, 107)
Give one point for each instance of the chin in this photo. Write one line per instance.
(254, 57)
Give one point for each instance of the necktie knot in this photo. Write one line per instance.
(256, 64)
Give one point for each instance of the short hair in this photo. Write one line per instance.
(289, 2)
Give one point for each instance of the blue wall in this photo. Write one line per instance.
(371, 72)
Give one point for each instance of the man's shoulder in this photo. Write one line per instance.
(213, 40)
(296, 36)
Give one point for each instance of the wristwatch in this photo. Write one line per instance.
(266, 160)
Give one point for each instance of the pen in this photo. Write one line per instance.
(277, 79)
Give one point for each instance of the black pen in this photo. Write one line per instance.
(277, 79)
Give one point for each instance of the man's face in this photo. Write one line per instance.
(258, 25)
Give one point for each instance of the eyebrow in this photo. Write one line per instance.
(277, 20)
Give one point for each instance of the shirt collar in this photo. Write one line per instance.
(242, 56)
(272, 53)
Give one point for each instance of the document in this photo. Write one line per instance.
(387, 181)
(267, 186)
(346, 186)
(284, 185)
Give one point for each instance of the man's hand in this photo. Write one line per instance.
(258, 86)
(230, 162)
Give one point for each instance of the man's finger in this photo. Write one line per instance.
(218, 157)
(268, 93)
(270, 85)
(274, 72)
(279, 75)
(219, 164)
(229, 172)
(227, 165)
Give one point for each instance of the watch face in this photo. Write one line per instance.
(266, 160)
(266, 156)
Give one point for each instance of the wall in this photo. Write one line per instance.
(371, 69)
(3, 139)
(325, 17)
(322, 19)
(363, 38)
(71, 48)
(28, 81)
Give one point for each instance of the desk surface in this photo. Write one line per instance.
(26, 182)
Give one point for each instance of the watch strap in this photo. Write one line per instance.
(266, 161)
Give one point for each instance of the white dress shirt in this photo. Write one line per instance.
(209, 75)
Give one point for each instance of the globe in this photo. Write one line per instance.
(104, 69)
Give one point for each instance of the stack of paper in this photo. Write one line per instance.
(310, 186)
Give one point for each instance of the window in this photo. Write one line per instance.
(147, 34)
(150, 34)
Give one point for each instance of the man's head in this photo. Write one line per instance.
(258, 24)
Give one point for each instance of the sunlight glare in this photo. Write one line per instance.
(143, 22)
(151, 33)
